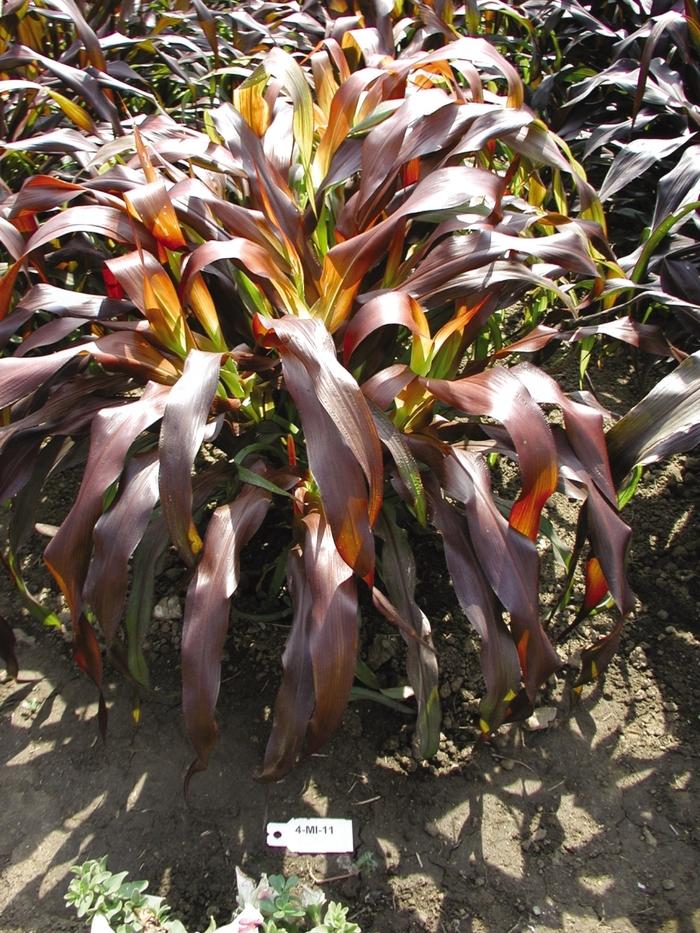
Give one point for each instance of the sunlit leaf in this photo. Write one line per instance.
(181, 435)
(341, 439)
(666, 421)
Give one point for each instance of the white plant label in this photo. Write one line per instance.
(316, 835)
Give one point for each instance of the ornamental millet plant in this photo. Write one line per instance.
(312, 289)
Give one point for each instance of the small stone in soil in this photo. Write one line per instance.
(542, 718)
(167, 609)
(668, 884)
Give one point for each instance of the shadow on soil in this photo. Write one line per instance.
(590, 825)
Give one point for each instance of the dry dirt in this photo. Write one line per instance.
(591, 824)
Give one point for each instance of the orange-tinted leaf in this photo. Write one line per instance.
(150, 288)
(249, 100)
(344, 265)
(42, 193)
(600, 521)
(151, 205)
(509, 561)
(596, 584)
(583, 423)
(254, 261)
(498, 394)
(132, 353)
(595, 659)
(201, 302)
(208, 23)
(7, 284)
(341, 118)
(88, 657)
(480, 52)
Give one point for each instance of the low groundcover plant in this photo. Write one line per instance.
(274, 905)
(318, 301)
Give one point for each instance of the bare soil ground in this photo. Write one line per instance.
(590, 824)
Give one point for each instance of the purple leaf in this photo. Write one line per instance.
(107, 221)
(399, 576)
(499, 658)
(181, 435)
(20, 376)
(678, 187)
(333, 629)
(113, 432)
(509, 562)
(499, 394)
(584, 425)
(207, 611)
(294, 705)
(634, 158)
(609, 535)
(341, 438)
(117, 533)
(665, 422)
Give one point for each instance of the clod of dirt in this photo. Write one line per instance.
(542, 718)
(167, 609)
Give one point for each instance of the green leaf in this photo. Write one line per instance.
(380, 696)
(281, 65)
(256, 479)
